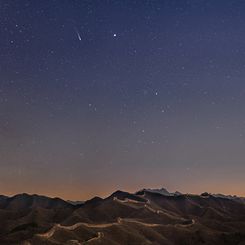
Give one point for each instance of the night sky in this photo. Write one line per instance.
(100, 95)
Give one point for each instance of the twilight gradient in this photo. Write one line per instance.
(99, 95)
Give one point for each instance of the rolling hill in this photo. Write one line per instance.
(145, 217)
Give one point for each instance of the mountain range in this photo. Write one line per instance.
(149, 216)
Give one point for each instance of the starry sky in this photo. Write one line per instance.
(100, 95)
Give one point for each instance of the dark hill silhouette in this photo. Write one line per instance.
(146, 217)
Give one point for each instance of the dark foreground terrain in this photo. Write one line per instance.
(146, 217)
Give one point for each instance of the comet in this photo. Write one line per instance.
(78, 34)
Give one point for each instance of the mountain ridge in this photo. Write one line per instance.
(161, 190)
(144, 217)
